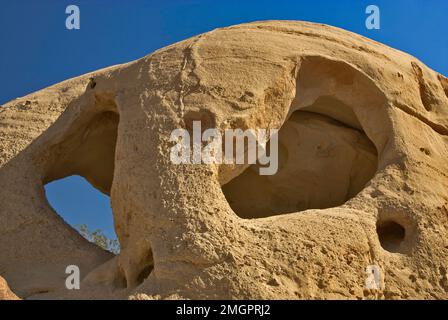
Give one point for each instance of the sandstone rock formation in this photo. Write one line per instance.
(5, 292)
(362, 180)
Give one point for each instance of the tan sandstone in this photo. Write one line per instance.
(362, 179)
(5, 292)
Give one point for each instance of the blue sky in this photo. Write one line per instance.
(37, 50)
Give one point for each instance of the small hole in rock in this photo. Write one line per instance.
(391, 235)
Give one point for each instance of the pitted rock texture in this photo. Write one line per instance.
(362, 179)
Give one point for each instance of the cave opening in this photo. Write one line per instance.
(325, 159)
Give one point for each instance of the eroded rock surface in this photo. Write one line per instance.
(362, 180)
(5, 292)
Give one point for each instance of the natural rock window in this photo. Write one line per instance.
(85, 209)
(88, 153)
(323, 162)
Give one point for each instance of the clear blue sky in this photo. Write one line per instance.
(37, 50)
